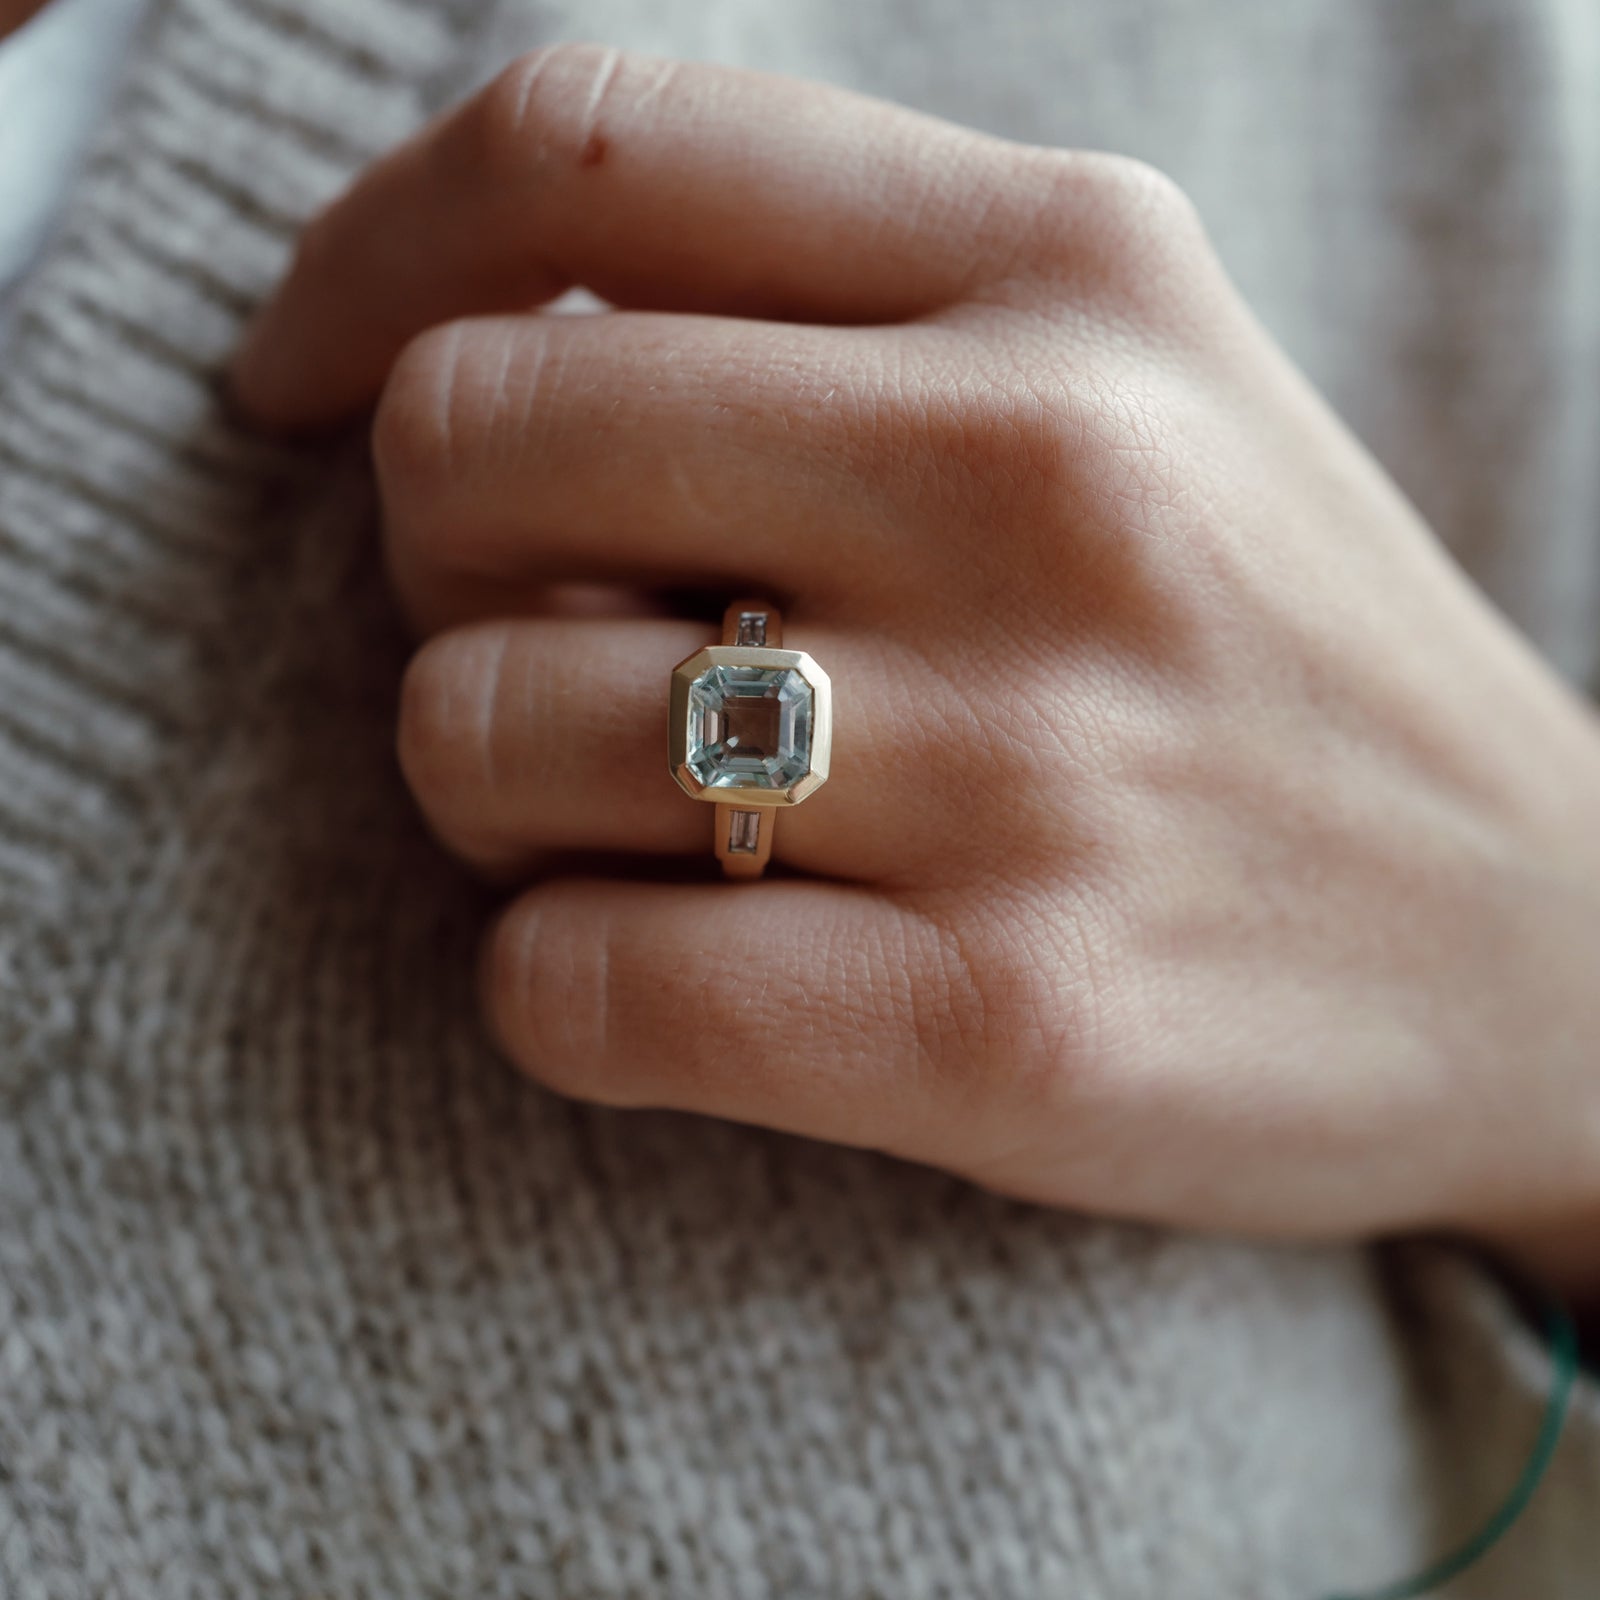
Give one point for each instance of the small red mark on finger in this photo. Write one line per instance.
(594, 151)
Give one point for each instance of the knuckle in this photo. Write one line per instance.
(1119, 229)
(414, 427)
(1139, 199)
(518, 974)
(546, 996)
(431, 693)
(546, 109)
(1023, 1019)
(446, 728)
(994, 446)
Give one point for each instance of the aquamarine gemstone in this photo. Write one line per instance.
(750, 727)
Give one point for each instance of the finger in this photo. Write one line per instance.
(521, 738)
(518, 738)
(653, 183)
(815, 1008)
(596, 600)
(640, 448)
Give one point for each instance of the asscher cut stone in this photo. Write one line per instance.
(750, 727)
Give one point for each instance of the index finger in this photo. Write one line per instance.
(656, 184)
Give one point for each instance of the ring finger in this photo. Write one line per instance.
(521, 737)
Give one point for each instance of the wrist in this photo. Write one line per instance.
(1548, 1214)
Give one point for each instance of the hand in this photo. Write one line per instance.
(1200, 847)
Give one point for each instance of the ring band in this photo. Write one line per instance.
(751, 730)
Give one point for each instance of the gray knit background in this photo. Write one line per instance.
(303, 1293)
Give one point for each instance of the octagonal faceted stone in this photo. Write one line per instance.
(750, 727)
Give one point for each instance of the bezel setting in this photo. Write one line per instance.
(693, 667)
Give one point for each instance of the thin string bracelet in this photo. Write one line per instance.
(1562, 1332)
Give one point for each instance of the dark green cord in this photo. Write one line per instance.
(1564, 1346)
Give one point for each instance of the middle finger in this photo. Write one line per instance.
(650, 449)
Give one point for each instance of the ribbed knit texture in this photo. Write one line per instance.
(303, 1293)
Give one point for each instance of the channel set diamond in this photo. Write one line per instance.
(750, 727)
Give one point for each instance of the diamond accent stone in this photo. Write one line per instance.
(744, 832)
(750, 727)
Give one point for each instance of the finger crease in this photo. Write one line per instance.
(592, 141)
(489, 715)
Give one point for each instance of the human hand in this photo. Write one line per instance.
(1200, 847)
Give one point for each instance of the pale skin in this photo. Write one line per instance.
(1200, 847)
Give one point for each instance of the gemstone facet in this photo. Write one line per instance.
(750, 727)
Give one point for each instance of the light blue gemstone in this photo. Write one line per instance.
(750, 727)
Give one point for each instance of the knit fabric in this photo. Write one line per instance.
(303, 1293)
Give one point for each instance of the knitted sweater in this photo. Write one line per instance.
(304, 1293)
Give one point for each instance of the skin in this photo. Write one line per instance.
(1201, 846)
(13, 13)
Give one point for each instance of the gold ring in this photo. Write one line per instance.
(751, 730)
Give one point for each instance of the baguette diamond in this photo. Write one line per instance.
(750, 727)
